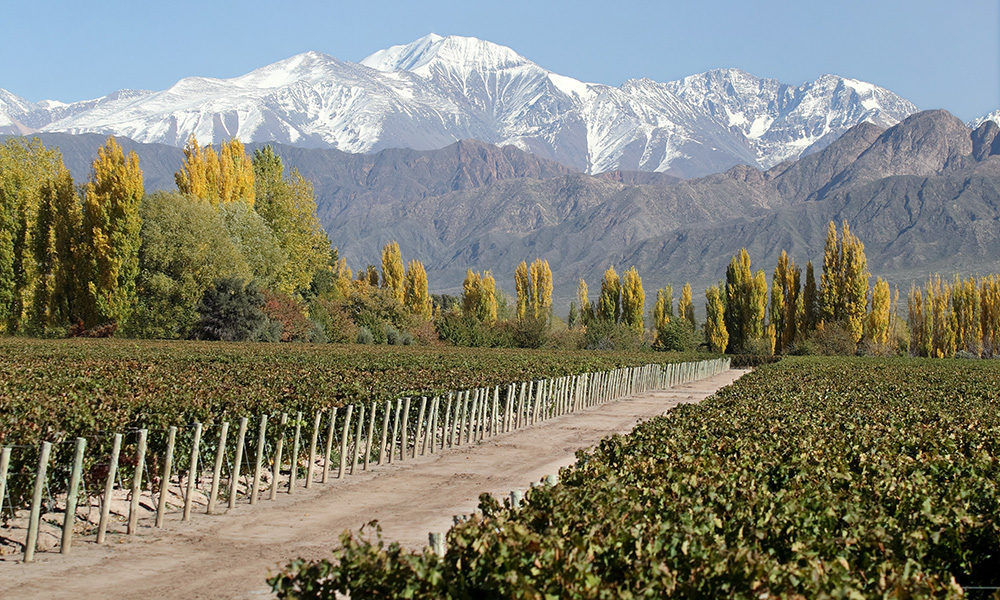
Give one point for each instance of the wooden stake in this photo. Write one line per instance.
(220, 455)
(312, 449)
(371, 432)
(329, 445)
(192, 472)
(258, 463)
(395, 429)
(420, 426)
(140, 466)
(234, 477)
(109, 485)
(276, 465)
(357, 436)
(404, 443)
(36, 502)
(293, 476)
(385, 431)
(69, 519)
(345, 433)
(168, 461)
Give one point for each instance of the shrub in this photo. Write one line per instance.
(333, 319)
(830, 339)
(365, 336)
(461, 330)
(230, 311)
(604, 335)
(675, 336)
(392, 335)
(289, 314)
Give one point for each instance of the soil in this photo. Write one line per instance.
(230, 555)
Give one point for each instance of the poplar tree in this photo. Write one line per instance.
(633, 303)
(110, 237)
(586, 308)
(810, 314)
(217, 178)
(844, 292)
(479, 296)
(55, 242)
(918, 323)
(392, 270)
(967, 307)
(609, 304)
(415, 294)
(685, 307)
(541, 285)
(716, 333)
(746, 303)
(989, 302)
(522, 287)
(879, 319)
(785, 302)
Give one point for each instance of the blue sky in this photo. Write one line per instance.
(937, 54)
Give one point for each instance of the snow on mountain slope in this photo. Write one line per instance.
(993, 116)
(437, 90)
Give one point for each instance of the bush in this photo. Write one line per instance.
(744, 361)
(675, 336)
(604, 335)
(289, 314)
(830, 339)
(365, 336)
(460, 330)
(376, 309)
(333, 319)
(230, 311)
(392, 336)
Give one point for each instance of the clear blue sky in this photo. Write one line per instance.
(938, 54)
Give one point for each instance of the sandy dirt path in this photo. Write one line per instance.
(229, 556)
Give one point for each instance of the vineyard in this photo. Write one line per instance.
(848, 478)
(140, 425)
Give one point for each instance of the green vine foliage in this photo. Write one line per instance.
(809, 478)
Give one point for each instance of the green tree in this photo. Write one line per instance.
(785, 286)
(256, 243)
(110, 238)
(685, 307)
(55, 240)
(288, 206)
(185, 248)
(633, 300)
(586, 307)
(810, 314)
(231, 311)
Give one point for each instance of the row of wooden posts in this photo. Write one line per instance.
(442, 422)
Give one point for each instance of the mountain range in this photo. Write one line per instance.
(923, 195)
(437, 90)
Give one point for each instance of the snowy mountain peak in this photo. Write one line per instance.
(459, 52)
(993, 116)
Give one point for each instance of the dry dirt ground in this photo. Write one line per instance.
(230, 555)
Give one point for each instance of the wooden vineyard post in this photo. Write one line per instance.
(457, 425)
(420, 425)
(404, 442)
(345, 433)
(447, 422)
(192, 472)
(161, 501)
(358, 430)
(371, 432)
(259, 460)
(431, 423)
(140, 465)
(436, 541)
(220, 455)
(278, 448)
(395, 429)
(310, 467)
(109, 486)
(537, 414)
(385, 431)
(4, 466)
(234, 477)
(36, 502)
(328, 450)
(293, 475)
(483, 406)
(69, 519)
(470, 435)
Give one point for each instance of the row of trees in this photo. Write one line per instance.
(962, 316)
(106, 256)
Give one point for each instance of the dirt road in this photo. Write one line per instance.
(229, 556)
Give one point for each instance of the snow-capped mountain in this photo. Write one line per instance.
(993, 116)
(436, 90)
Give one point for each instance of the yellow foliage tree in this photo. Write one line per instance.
(746, 303)
(610, 302)
(633, 300)
(989, 302)
(967, 307)
(844, 291)
(416, 296)
(392, 270)
(541, 284)
(218, 178)
(586, 308)
(716, 333)
(479, 296)
(785, 302)
(110, 236)
(879, 320)
(685, 306)
(522, 287)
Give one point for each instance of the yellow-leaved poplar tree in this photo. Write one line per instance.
(219, 178)
(967, 307)
(392, 270)
(785, 302)
(989, 304)
(663, 310)
(633, 300)
(415, 291)
(586, 308)
(609, 303)
(541, 286)
(879, 319)
(479, 296)
(685, 306)
(110, 236)
(522, 287)
(746, 303)
(716, 333)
